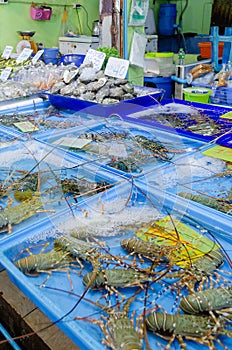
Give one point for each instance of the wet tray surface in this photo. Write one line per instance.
(8, 138)
(122, 145)
(204, 177)
(195, 120)
(66, 293)
(38, 180)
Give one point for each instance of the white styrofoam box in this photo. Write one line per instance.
(77, 45)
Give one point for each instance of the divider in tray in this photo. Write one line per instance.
(123, 212)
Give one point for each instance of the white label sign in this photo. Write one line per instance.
(5, 74)
(25, 54)
(95, 57)
(7, 52)
(117, 67)
(72, 142)
(37, 56)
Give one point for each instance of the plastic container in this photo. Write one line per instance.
(206, 50)
(197, 94)
(72, 58)
(161, 63)
(167, 19)
(51, 55)
(161, 83)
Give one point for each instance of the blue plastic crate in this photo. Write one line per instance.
(182, 122)
(62, 306)
(113, 143)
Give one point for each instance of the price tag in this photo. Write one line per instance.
(228, 115)
(7, 52)
(219, 152)
(25, 54)
(5, 74)
(26, 126)
(72, 142)
(193, 244)
(95, 57)
(117, 67)
(37, 56)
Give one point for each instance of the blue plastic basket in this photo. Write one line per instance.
(72, 58)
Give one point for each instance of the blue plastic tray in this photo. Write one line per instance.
(197, 174)
(64, 181)
(123, 107)
(43, 117)
(8, 137)
(124, 153)
(225, 140)
(209, 113)
(61, 306)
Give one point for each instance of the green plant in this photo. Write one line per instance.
(110, 52)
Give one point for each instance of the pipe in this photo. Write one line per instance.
(179, 80)
(8, 338)
(125, 33)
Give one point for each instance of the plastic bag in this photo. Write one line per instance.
(138, 12)
(137, 51)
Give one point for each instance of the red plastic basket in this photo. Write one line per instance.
(205, 49)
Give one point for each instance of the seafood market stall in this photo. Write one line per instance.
(115, 216)
(115, 238)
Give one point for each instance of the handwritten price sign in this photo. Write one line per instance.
(37, 56)
(7, 52)
(25, 54)
(5, 74)
(117, 67)
(95, 57)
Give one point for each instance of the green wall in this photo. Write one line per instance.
(16, 16)
(196, 17)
